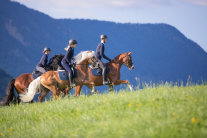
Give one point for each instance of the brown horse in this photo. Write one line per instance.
(113, 76)
(50, 80)
(21, 83)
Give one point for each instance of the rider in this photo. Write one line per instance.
(100, 54)
(43, 61)
(66, 61)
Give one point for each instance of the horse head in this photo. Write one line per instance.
(127, 60)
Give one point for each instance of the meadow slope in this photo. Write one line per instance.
(163, 111)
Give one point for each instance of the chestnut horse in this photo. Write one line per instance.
(113, 76)
(50, 80)
(22, 82)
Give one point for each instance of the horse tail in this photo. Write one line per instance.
(10, 96)
(33, 88)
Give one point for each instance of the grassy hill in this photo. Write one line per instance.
(163, 111)
(160, 51)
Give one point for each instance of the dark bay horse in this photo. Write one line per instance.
(114, 74)
(51, 81)
(21, 83)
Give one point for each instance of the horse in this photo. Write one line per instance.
(52, 82)
(21, 83)
(113, 76)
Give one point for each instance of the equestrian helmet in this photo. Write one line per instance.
(103, 36)
(72, 42)
(46, 49)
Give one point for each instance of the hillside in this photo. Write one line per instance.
(160, 51)
(163, 111)
(4, 79)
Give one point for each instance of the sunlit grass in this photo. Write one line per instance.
(163, 111)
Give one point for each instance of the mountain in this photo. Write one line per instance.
(160, 51)
(4, 79)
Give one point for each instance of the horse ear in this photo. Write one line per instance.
(129, 53)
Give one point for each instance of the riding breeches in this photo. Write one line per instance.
(41, 69)
(103, 69)
(67, 67)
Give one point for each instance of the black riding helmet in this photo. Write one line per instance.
(46, 49)
(73, 42)
(103, 36)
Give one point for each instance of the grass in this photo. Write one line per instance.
(163, 111)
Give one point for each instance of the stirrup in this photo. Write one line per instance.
(106, 82)
(72, 85)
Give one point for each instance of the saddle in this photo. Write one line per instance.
(36, 74)
(63, 74)
(97, 71)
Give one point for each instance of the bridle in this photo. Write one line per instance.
(127, 64)
(122, 58)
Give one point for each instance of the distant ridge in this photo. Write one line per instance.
(160, 51)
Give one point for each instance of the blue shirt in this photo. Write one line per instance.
(100, 52)
(43, 61)
(68, 56)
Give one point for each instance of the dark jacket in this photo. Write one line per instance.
(68, 56)
(43, 61)
(100, 52)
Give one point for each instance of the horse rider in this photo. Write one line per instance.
(43, 61)
(100, 54)
(67, 61)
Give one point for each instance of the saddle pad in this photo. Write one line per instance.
(98, 71)
(63, 75)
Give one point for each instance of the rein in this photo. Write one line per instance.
(81, 64)
(109, 62)
(120, 59)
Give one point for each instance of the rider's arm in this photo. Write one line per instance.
(102, 53)
(66, 56)
(44, 60)
(69, 52)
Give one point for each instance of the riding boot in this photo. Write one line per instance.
(105, 82)
(72, 84)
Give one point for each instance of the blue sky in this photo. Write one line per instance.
(188, 16)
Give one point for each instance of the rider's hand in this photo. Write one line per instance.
(74, 64)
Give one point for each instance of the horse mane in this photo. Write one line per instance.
(83, 55)
(118, 57)
(55, 61)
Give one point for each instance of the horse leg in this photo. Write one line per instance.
(42, 95)
(111, 87)
(66, 91)
(78, 90)
(18, 100)
(54, 92)
(118, 82)
(52, 87)
(58, 91)
(92, 88)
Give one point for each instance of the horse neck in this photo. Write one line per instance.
(118, 60)
(83, 65)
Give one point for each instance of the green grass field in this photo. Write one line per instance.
(163, 111)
